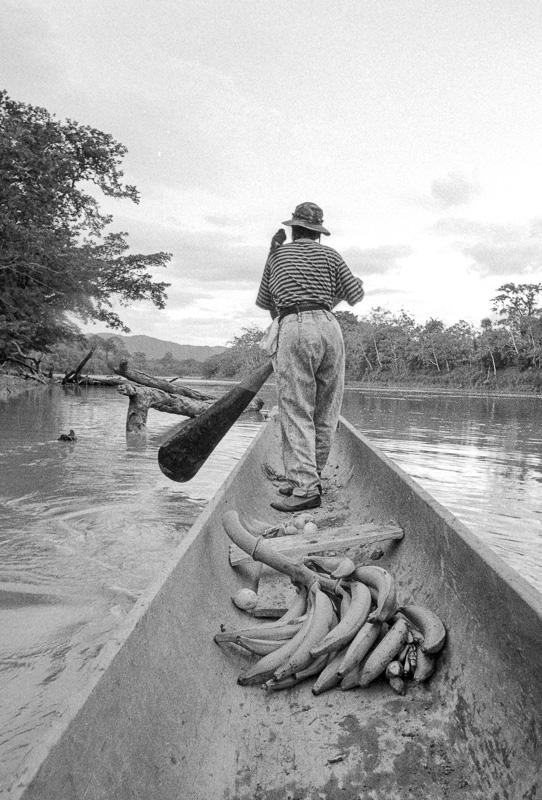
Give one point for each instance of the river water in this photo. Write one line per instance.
(86, 526)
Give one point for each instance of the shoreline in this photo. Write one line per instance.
(12, 386)
(397, 389)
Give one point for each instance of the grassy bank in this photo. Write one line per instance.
(510, 382)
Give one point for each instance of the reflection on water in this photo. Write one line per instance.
(481, 457)
(86, 526)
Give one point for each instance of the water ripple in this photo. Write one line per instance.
(87, 526)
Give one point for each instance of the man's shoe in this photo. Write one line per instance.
(288, 490)
(295, 503)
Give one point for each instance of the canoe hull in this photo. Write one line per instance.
(165, 717)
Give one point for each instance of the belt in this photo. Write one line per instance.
(284, 312)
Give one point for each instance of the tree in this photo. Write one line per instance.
(57, 259)
(245, 352)
(168, 363)
(458, 345)
(356, 359)
(139, 360)
(432, 338)
(521, 317)
(493, 345)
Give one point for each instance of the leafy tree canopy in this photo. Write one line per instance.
(517, 302)
(56, 259)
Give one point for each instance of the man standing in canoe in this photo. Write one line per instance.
(302, 281)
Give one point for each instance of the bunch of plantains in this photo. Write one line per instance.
(344, 628)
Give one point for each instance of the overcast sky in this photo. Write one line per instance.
(415, 124)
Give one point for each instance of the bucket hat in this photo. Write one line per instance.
(308, 215)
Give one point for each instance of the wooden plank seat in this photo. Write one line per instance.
(326, 540)
(275, 590)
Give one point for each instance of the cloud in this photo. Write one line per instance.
(380, 291)
(181, 296)
(495, 248)
(375, 260)
(463, 228)
(453, 190)
(505, 258)
(221, 221)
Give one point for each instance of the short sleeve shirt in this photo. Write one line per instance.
(306, 271)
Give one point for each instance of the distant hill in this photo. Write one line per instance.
(156, 348)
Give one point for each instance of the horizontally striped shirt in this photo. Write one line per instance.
(306, 271)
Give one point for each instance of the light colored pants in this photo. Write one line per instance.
(309, 367)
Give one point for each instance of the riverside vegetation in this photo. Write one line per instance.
(382, 348)
(59, 263)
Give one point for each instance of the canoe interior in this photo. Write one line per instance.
(165, 717)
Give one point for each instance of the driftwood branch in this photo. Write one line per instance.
(24, 369)
(27, 366)
(145, 391)
(136, 376)
(73, 376)
(141, 398)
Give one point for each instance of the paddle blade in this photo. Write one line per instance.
(182, 455)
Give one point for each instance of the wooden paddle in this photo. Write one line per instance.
(181, 456)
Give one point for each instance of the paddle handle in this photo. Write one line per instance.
(182, 455)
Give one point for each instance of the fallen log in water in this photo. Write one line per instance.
(143, 397)
(73, 376)
(136, 376)
(101, 380)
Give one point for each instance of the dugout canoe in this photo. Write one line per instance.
(164, 718)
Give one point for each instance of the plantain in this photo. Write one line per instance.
(412, 657)
(314, 668)
(354, 617)
(275, 633)
(344, 568)
(397, 684)
(260, 647)
(322, 563)
(360, 645)
(429, 625)
(272, 685)
(394, 670)
(425, 666)
(322, 619)
(295, 614)
(346, 599)
(329, 677)
(384, 652)
(264, 668)
(383, 584)
(297, 609)
(351, 679)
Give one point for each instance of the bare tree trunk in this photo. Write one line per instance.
(142, 398)
(435, 362)
(25, 369)
(493, 362)
(142, 378)
(377, 353)
(71, 377)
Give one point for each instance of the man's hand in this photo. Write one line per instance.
(278, 239)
